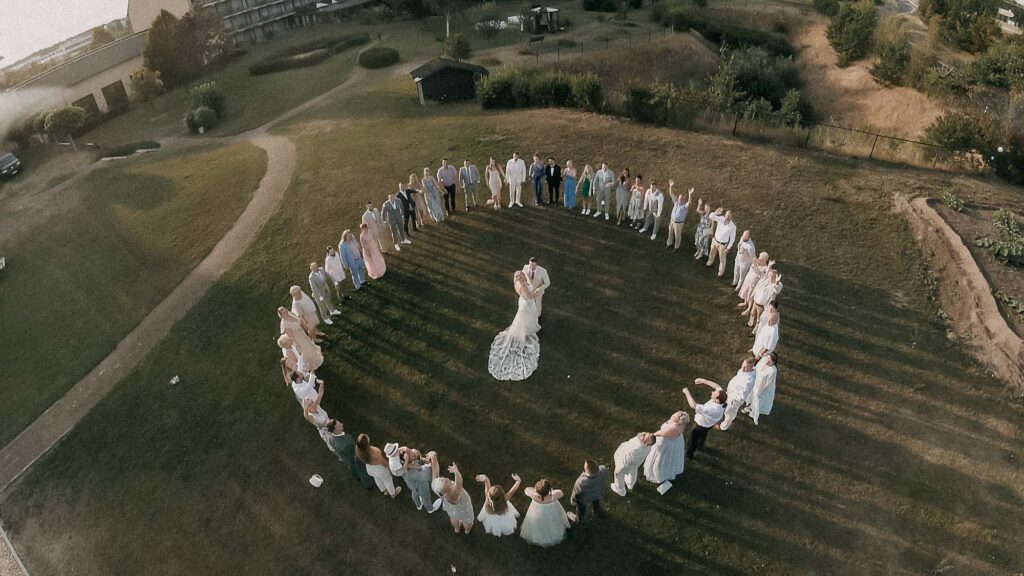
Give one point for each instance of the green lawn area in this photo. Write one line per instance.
(889, 451)
(78, 284)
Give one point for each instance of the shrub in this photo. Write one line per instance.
(289, 62)
(949, 198)
(128, 149)
(208, 95)
(956, 133)
(146, 84)
(760, 74)
(967, 24)
(1002, 64)
(489, 26)
(1009, 246)
(201, 119)
(720, 33)
(601, 5)
(892, 52)
(851, 29)
(457, 47)
(65, 121)
(521, 87)
(827, 7)
(378, 57)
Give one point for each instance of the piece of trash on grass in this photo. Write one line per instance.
(316, 480)
(664, 487)
(175, 380)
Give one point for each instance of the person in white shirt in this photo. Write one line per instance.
(515, 175)
(762, 396)
(654, 202)
(336, 272)
(539, 281)
(680, 206)
(722, 241)
(737, 391)
(375, 223)
(768, 289)
(604, 179)
(767, 337)
(746, 253)
(706, 416)
(629, 456)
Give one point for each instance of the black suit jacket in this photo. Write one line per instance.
(553, 174)
(405, 197)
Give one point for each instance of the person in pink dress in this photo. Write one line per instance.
(372, 257)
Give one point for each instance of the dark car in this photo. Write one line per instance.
(9, 165)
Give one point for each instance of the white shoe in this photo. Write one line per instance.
(653, 235)
(336, 313)
(435, 507)
(597, 215)
(606, 216)
(398, 248)
(510, 204)
(642, 230)
(406, 241)
(328, 321)
(520, 204)
(623, 493)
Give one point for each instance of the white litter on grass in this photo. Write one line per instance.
(175, 380)
(664, 487)
(453, 569)
(316, 480)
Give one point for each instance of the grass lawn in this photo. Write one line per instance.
(889, 451)
(86, 277)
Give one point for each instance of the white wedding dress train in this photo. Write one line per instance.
(516, 351)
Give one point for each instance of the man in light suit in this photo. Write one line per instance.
(393, 214)
(539, 280)
(469, 178)
(320, 289)
(408, 208)
(375, 225)
(515, 175)
(604, 179)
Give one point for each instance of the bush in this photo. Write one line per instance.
(720, 33)
(949, 198)
(520, 87)
(892, 52)
(761, 75)
(851, 30)
(1002, 64)
(146, 84)
(827, 7)
(201, 119)
(378, 57)
(1009, 247)
(601, 5)
(489, 26)
(208, 95)
(308, 53)
(967, 24)
(457, 47)
(65, 121)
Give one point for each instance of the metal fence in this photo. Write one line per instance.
(690, 115)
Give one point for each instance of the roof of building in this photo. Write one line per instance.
(88, 65)
(340, 5)
(438, 64)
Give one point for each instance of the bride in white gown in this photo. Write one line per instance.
(516, 351)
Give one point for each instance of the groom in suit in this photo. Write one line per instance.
(408, 208)
(539, 280)
(553, 175)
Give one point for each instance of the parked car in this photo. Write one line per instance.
(10, 165)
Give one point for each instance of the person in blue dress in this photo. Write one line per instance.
(433, 194)
(569, 173)
(352, 258)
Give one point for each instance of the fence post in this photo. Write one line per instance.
(558, 53)
(735, 124)
(871, 155)
(807, 141)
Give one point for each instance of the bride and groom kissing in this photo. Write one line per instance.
(515, 352)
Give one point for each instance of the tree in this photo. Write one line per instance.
(159, 52)
(892, 52)
(146, 84)
(100, 37)
(457, 47)
(64, 122)
(851, 30)
(445, 8)
(199, 40)
(966, 24)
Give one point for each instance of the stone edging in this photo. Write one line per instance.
(964, 293)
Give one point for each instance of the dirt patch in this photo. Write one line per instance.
(975, 222)
(965, 293)
(850, 96)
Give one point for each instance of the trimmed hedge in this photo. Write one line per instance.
(128, 149)
(307, 54)
(516, 87)
(378, 57)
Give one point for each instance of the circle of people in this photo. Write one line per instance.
(662, 454)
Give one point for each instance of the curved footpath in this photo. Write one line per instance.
(62, 416)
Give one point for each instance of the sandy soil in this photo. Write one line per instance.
(850, 96)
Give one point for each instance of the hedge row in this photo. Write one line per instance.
(128, 149)
(308, 54)
(378, 57)
(516, 87)
(718, 32)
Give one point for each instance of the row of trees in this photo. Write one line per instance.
(179, 50)
(62, 123)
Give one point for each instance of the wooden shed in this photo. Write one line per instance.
(442, 80)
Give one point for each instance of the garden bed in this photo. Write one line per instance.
(976, 222)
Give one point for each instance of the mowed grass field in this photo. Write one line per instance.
(888, 452)
(83, 279)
